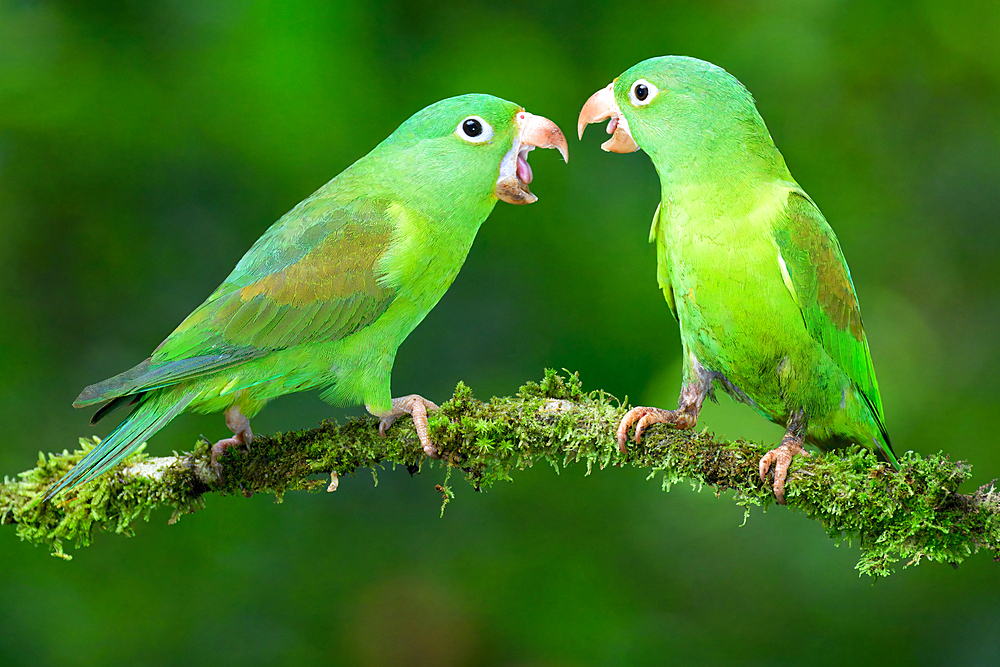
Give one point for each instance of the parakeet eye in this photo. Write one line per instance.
(475, 130)
(642, 92)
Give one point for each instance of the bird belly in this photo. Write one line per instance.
(742, 325)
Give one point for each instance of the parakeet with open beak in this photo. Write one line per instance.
(325, 297)
(749, 267)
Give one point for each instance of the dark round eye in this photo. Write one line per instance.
(642, 93)
(472, 127)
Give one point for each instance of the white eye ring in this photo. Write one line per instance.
(638, 88)
(475, 130)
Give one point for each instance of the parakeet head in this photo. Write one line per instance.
(674, 108)
(473, 145)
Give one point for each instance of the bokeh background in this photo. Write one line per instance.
(145, 145)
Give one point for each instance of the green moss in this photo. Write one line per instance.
(910, 515)
(112, 502)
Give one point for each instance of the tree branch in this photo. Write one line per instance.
(913, 514)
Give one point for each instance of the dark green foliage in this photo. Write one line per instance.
(912, 514)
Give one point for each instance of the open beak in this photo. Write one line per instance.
(515, 173)
(600, 106)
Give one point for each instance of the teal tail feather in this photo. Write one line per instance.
(884, 447)
(149, 416)
(890, 455)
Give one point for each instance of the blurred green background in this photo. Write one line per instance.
(145, 145)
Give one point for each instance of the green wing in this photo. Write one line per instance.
(657, 234)
(816, 273)
(311, 277)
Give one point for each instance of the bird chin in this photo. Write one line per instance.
(621, 140)
(513, 190)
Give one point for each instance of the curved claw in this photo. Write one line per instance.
(238, 423)
(416, 406)
(781, 457)
(644, 417)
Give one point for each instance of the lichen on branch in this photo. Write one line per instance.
(912, 514)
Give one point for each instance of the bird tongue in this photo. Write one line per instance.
(523, 170)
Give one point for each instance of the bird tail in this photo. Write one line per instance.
(149, 416)
(882, 439)
(886, 450)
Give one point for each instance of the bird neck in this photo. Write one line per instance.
(428, 188)
(721, 173)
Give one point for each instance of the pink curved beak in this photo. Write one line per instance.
(515, 173)
(540, 132)
(600, 106)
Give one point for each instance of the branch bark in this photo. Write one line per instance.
(912, 514)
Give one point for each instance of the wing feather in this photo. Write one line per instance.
(657, 235)
(312, 277)
(821, 285)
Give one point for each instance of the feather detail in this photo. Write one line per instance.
(787, 279)
(656, 234)
(113, 405)
(147, 418)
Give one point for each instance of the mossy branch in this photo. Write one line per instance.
(912, 514)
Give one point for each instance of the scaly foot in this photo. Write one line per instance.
(782, 457)
(242, 436)
(416, 406)
(646, 417)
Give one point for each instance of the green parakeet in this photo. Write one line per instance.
(751, 270)
(325, 297)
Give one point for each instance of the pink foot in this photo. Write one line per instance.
(416, 406)
(781, 457)
(646, 417)
(242, 436)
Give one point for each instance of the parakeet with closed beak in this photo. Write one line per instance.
(326, 296)
(748, 265)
